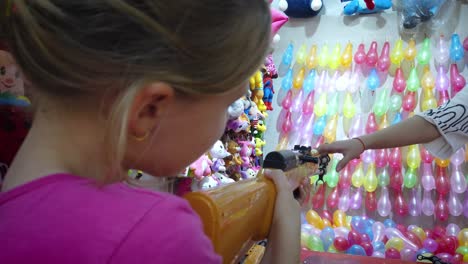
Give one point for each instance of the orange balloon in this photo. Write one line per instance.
(442, 163)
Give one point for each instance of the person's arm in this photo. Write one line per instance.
(415, 130)
(284, 241)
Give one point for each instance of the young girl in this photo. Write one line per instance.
(123, 84)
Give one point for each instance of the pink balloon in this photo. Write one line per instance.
(399, 82)
(307, 131)
(442, 181)
(392, 232)
(427, 205)
(442, 81)
(409, 101)
(384, 60)
(356, 199)
(372, 56)
(427, 177)
(408, 254)
(441, 209)
(371, 125)
(308, 106)
(333, 198)
(394, 159)
(414, 204)
(384, 206)
(443, 97)
(465, 44)
(345, 179)
(287, 102)
(457, 180)
(344, 202)
(456, 79)
(465, 206)
(360, 55)
(454, 205)
(287, 125)
(381, 158)
(296, 107)
(426, 156)
(281, 118)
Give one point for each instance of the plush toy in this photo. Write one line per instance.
(278, 19)
(255, 113)
(201, 167)
(236, 109)
(249, 174)
(246, 152)
(300, 8)
(415, 11)
(234, 149)
(365, 7)
(256, 87)
(268, 91)
(207, 183)
(217, 154)
(259, 143)
(270, 67)
(11, 82)
(222, 179)
(242, 123)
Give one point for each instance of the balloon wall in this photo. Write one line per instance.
(392, 203)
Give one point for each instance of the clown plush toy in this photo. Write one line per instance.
(301, 8)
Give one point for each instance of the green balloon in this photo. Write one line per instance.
(462, 250)
(384, 178)
(332, 249)
(381, 104)
(395, 102)
(424, 55)
(315, 243)
(410, 179)
(413, 81)
(332, 176)
(333, 105)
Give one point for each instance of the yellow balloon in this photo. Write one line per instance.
(339, 218)
(428, 80)
(326, 223)
(410, 51)
(419, 232)
(442, 163)
(428, 100)
(463, 237)
(349, 108)
(396, 56)
(334, 61)
(301, 55)
(320, 107)
(312, 59)
(357, 179)
(314, 219)
(299, 79)
(330, 130)
(283, 143)
(347, 57)
(384, 123)
(348, 221)
(371, 181)
(395, 242)
(413, 158)
(324, 57)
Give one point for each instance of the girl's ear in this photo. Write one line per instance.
(147, 108)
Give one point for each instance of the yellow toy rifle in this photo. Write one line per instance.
(236, 215)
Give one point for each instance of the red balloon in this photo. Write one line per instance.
(368, 248)
(409, 101)
(371, 125)
(360, 55)
(442, 181)
(399, 82)
(429, 233)
(414, 238)
(447, 245)
(392, 253)
(402, 228)
(345, 179)
(385, 239)
(443, 97)
(457, 258)
(441, 209)
(333, 199)
(438, 232)
(318, 200)
(394, 159)
(371, 201)
(354, 238)
(396, 179)
(326, 215)
(341, 243)
(426, 156)
(401, 207)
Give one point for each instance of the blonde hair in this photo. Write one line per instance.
(86, 50)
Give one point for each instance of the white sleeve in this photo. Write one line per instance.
(451, 119)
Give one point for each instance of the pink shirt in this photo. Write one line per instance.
(67, 219)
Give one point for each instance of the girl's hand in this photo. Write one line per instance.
(351, 149)
(284, 241)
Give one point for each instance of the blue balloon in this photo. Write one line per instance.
(379, 246)
(286, 83)
(373, 81)
(369, 232)
(389, 223)
(309, 82)
(320, 126)
(327, 235)
(288, 55)
(397, 119)
(422, 251)
(358, 224)
(356, 250)
(457, 52)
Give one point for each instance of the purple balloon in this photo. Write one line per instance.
(452, 230)
(378, 228)
(454, 204)
(378, 254)
(427, 205)
(427, 177)
(458, 180)
(344, 202)
(465, 205)
(342, 232)
(414, 204)
(383, 205)
(356, 199)
(408, 254)
(430, 244)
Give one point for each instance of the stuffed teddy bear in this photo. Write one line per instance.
(368, 7)
(301, 8)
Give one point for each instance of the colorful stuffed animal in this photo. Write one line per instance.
(222, 179)
(256, 87)
(234, 149)
(236, 109)
(217, 154)
(242, 123)
(268, 91)
(209, 182)
(246, 152)
(255, 113)
(249, 174)
(201, 167)
(362, 7)
(301, 8)
(270, 68)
